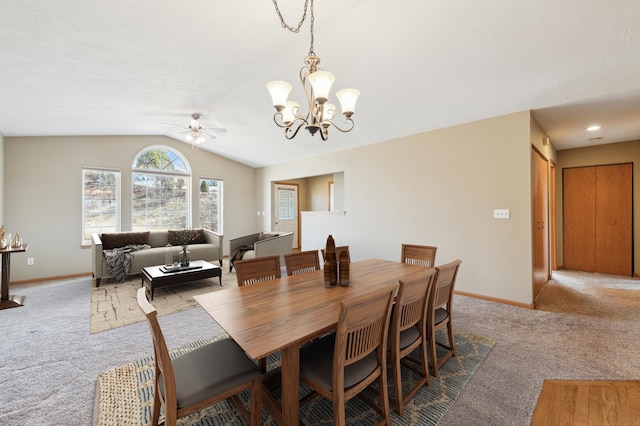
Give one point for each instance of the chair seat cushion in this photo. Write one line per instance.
(210, 370)
(440, 315)
(316, 363)
(409, 336)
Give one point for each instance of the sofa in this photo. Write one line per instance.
(150, 248)
(260, 245)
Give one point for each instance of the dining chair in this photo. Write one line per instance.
(408, 332)
(201, 377)
(414, 254)
(339, 249)
(253, 271)
(440, 313)
(342, 364)
(301, 262)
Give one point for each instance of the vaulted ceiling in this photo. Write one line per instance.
(69, 67)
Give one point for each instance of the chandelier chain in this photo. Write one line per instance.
(304, 17)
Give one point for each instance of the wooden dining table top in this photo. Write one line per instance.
(267, 317)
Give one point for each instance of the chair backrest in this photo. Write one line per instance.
(442, 294)
(163, 366)
(339, 250)
(411, 303)
(301, 262)
(253, 271)
(414, 254)
(362, 328)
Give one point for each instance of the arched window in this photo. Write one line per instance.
(161, 190)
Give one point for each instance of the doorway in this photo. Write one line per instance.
(286, 207)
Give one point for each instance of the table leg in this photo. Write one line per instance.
(8, 301)
(290, 384)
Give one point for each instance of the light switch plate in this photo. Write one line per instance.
(501, 213)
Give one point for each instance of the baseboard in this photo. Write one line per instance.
(496, 300)
(58, 277)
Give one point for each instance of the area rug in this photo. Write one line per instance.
(114, 304)
(124, 395)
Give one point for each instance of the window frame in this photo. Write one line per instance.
(220, 203)
(118, 201)
(164, 173)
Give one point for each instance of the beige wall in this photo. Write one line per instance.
(43, 194)
(440, 188)
(615, 153)
(2, 168)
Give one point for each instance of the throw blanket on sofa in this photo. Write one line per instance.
(119, 260)
(239, 253)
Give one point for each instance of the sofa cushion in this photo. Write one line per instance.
(121, 239)
(186, 236)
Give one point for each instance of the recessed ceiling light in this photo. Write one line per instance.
(595, 139)
(594, 127)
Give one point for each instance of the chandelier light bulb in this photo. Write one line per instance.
(348, 99)
(321, 82)
(279, 91)
(328, 112)
(290, 111)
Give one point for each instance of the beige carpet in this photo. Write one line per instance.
(114, 304)
(594, 295)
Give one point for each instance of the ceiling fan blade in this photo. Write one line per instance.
(217, 130)
(174, 125)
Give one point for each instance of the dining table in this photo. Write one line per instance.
(280, 315)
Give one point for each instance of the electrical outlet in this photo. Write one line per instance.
(29, 261)
(501, 214)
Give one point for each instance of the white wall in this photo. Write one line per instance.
(440, 188)
(43, 195)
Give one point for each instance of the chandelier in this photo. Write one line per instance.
(320, 113)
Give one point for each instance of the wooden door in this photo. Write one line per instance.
(598, 219)
(540, 226)
(613, 218)
(579, 203)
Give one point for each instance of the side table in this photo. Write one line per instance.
(6, 300)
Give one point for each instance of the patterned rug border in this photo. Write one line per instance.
(124, 394)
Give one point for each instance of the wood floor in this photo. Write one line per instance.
(585, 402)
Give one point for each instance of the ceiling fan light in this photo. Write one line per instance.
(279, 91)
(348, 99)
(321, 82)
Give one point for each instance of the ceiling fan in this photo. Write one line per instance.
(196, 133)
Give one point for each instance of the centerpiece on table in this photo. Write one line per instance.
(183, 238)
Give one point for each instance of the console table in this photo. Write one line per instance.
(7, 300)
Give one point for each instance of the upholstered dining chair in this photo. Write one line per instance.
(301, 262)
(253, 271)
(341, 365)
(440, 313)
(339, 249)
(201, 377)
(415, 254)
(408, 332)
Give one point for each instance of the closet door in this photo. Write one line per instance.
(579, 222)
(613, 218)
(598, 219)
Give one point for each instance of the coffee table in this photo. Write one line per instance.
(163, 276)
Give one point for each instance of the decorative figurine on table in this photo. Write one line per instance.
(343, 279)
(330, 263)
